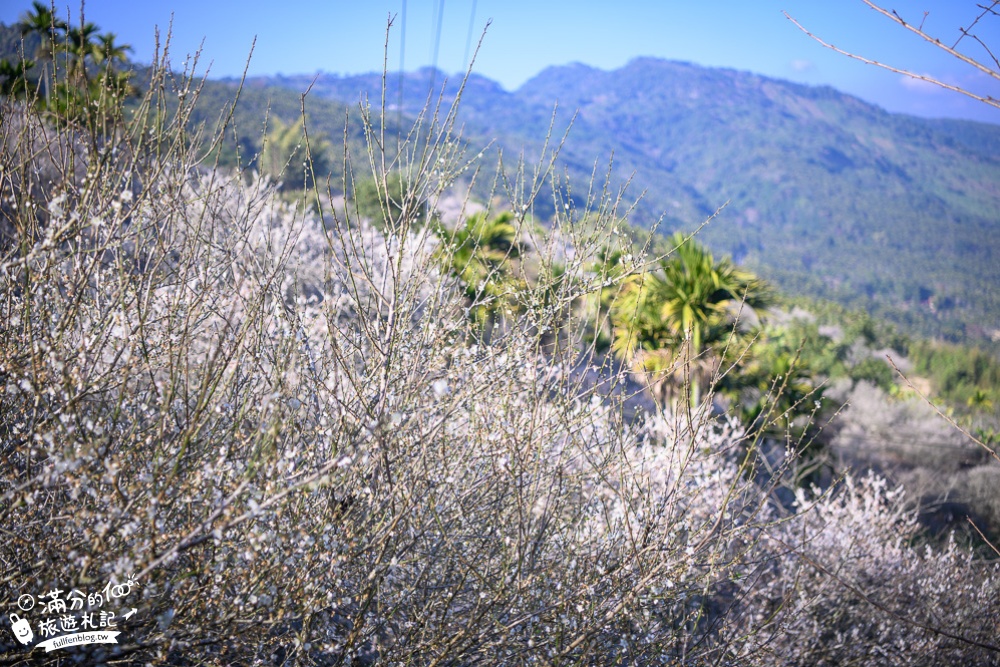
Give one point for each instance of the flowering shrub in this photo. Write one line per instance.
(845, 583)
(285, 430)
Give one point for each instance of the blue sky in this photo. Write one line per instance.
(299, 36)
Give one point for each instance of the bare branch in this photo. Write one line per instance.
(943, 415)
(933, 40)
(987, 99)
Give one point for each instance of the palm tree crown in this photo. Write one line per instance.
(478, 253)
(107, 52)
(81, 46)
(40, 20)
(684, 312)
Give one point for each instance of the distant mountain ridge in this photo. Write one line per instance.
(828, 195)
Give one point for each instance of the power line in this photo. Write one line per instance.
(402, 56)
(437, 44)
(468, 37)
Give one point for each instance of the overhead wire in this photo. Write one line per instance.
(437, 44)
(402, 56)
(468, 36)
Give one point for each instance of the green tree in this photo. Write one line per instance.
(874, 370)
(778, 391)
(284, 156)
(609, 268)
(382, 201)
(107, 51)
(40, 20)
(81, 47)
(479, 253)
(682, 316)
(15, 78)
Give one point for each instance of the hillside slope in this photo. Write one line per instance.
(828, 195)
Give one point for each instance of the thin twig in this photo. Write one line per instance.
(985, 539)
(987, 99)
(943, 415)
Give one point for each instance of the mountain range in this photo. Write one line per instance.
(825, 194)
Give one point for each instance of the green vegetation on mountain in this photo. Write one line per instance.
(827, 196)
(959, 375)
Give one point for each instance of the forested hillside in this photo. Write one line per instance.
(828, 195)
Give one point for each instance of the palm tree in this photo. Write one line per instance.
(979, 400)
(15, 79)
(81, 46)
(478, 253)
(284, 156)
(43, 22)
(682, 316)
(107, 52)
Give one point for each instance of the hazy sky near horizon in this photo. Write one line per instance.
(526, 36)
